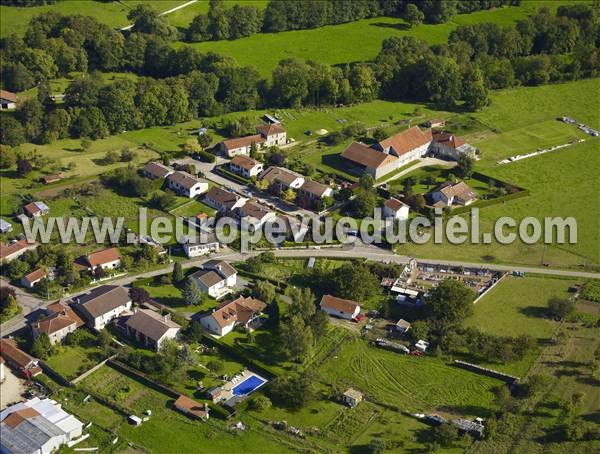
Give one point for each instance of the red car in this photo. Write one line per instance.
(359, 318)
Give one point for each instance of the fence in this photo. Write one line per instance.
(510, 379)
(91, 371)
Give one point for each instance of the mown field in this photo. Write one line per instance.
(411, 383)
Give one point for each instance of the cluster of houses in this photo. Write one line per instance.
(403, 148)
(267, 135)
(281, 179)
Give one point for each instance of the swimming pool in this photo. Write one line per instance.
(252, 383)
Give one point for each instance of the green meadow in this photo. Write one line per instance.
(355, 41)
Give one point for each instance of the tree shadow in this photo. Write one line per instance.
(398, 26)
(534, 311)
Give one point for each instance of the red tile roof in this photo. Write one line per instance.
(8, 95)
(270, 129)
(339, 304)
(240, 310)
(12, 353)
(406, 141)
(244, 162)
(9, 249)
(102, 257)
(366, 156)
(239, 142)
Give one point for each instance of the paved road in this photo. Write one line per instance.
(32, 304)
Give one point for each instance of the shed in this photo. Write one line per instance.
(135, 420)
(352, 397)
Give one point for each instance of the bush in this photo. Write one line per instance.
(206, 156)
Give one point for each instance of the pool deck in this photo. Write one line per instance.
(227, 388)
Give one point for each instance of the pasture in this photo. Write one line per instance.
(351, 42)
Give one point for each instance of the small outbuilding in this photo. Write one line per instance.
(352, 397)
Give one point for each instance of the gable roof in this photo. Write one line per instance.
(103, 299)
(280, 175)
(9, 249)
(314, 187)
(221, 266)
(151, 324)
(157, 169)
(339, 304)
(11, 352)
(222, 197)
(244, 162)
(103, 256)
(35, 207)
(394, 204)
(192, 407)
(270, 129)
(461, 190)
(36, 275)
(255, 210)
(239, 142)
(240, 310)
(8, 95)
(60, 317)
(447, 139)
(406, 141)
(184, 179)
(366, 156)
(208, 277)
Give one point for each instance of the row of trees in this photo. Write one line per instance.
(283, 15)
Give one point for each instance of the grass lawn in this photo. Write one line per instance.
(192, 208)
(167, 428)
(170, 295)
(72, 360)
(350, 42)
(113, 14)
(411, 383)
(517, 306)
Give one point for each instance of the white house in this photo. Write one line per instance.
(448, 146)
(267, 135)
(5, 226)
(395, 209)
(339, 307)
(150, 328)
(253, 215)
(223, 200)
(36, 209)
(107, 259)
(244, 311)
(8, 100)
(315, 190)
(448, 194)
(102, 305)
(201, 244)
(241, 145)
(32, 279)
(156, 170)
(186, 185)
(273, 133)
(38, 426)
(245, 166)
(15, 249)
(61, 321)
(284, 178)
(216, 277)
(352, 397)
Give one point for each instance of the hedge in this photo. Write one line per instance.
(490, 202)
(276, 282)
(232, 176)
(206, 156)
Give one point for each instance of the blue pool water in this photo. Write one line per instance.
(247, 386)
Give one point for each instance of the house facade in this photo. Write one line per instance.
(395, 209)
(223, 200)
(156, 170)
(61, 321)
(273, 133)
(198, 245)
(15, 249)
(450, 147)
(253, 216)
(448, 194)
(151, 329)
(245, 166)
(8, 100)
(102, 305)
(216, 277)
(18, 359)
(186, 185)
(32, 279)
(339, 307)
(267, 135)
